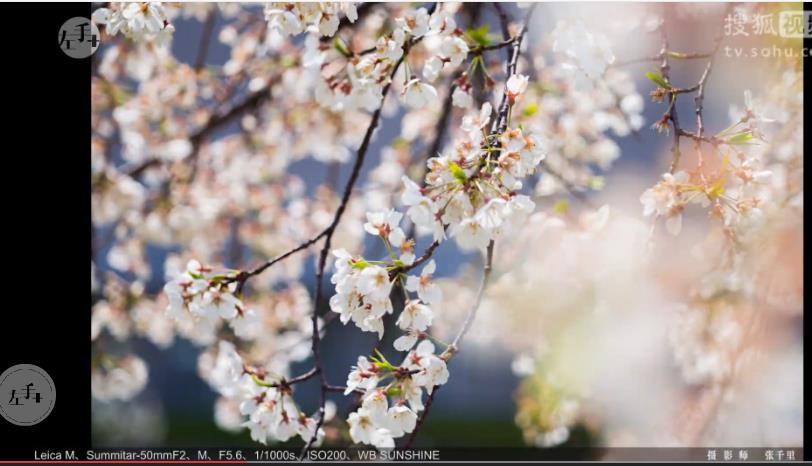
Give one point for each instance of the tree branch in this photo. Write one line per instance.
(252, 101)
(214, 123)
(453, 348)
(328, 237)
(673, 92)
(499, 126)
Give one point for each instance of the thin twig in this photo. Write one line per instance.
(671, 114)
(453, 348)
(423, 258)
(658, 57)
(484, 48)
(205, 39)
(283, 382)
(469, 318)
(700, 95)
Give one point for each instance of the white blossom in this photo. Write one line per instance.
(415, 22)
(137, 21)
(362, 429)
(363, 376)
(417, 94)
(400, 420)
(426, 289)
(415, 315)
(455, 49)
(461, 98)
(516, 85)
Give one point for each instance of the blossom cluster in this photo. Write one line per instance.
(545, 411)
(392, 396)
(288, 19)
(122, 319)
(757, 196)
(205, 298)
(136, 20)
(472, 190)
(733, 192)
(265, 401)
(350, 81)
(576, 112)
(119, 379)
(363, 286)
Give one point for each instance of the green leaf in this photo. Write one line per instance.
(530, 110)
(479, 35)
(657, 78)
(744, 137)
(359, 264)
(382, 362)
(341, 46)
(457, 171)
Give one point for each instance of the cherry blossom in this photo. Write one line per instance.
(462, 99)
(202, 161)
(385, 225)
(415, 316)
(294, 18)
(137, 21)
(415, 22)
(666, 198)
(455, 49)
(423, 285)
(515, 86)
(417, 94)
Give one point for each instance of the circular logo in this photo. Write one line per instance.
(27, 394)
(79, 37)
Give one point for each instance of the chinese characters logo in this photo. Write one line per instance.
(79, 37)
(27, 395)
(793, 24)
